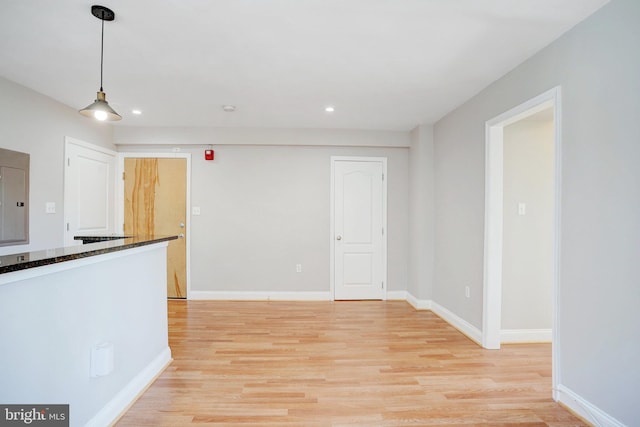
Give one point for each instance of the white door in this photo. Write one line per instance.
(359, 217)
(89, 190)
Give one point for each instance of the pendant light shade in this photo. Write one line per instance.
(100, 108)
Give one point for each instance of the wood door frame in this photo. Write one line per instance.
(332, 241)
(493, 230)
(120, 198)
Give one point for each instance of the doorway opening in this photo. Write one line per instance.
(495, 219)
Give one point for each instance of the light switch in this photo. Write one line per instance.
(522, 208)
(50, 207)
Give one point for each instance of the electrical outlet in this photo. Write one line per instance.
(467, 292)
(298, 268)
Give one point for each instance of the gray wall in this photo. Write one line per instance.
(35, 124)
(527, 260)
(265, 208)
(597, 64)
(259, 136)
(421, 213)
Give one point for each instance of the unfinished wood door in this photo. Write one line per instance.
(155, 203)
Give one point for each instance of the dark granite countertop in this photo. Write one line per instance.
(25, 260)
(94, 239)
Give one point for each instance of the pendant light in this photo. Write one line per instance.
(100, 109)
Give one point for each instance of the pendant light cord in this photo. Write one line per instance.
(101, 50)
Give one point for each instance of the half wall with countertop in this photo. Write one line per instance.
(58, 306)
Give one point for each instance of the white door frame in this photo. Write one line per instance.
(332, 267)
(492, 295)
(120, 197)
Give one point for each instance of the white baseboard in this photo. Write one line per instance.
(418, 304)
(260, 296)
(295, 296)
(277, 296)
(457, 322)
(585, 409)
(525, 335)
(128, 395)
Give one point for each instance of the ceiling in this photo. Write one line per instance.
(383, 64)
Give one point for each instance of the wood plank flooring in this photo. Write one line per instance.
(355, 363)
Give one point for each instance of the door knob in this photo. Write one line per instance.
(182, 225)
(339, 237)
(181, 235)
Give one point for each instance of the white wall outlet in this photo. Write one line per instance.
(50, 207)
(195, 210)
(298, 268)
(101, 359)
(467, 292)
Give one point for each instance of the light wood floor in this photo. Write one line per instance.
(340, 364)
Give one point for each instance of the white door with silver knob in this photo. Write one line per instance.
(359, 220)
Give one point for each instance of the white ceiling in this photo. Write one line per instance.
(383, 64)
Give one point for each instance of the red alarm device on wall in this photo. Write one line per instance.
(208, 154)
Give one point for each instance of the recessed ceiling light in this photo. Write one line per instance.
(136, 112)
(329, 109)
(228, 108)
